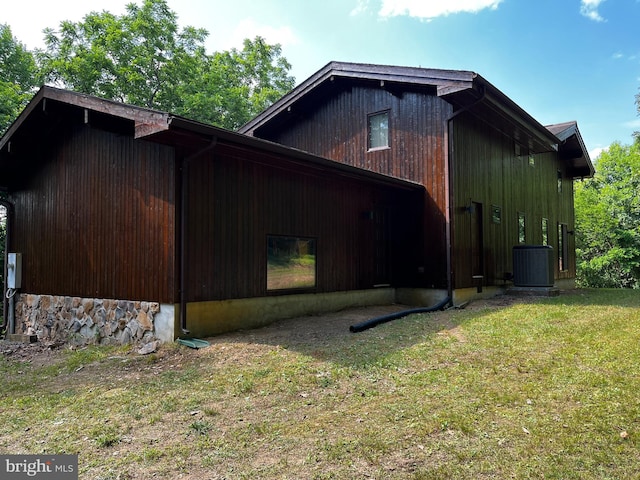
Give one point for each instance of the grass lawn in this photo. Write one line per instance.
(538, 388)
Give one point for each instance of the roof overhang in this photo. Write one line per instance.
(146, 121)
(51, 107)
(572, 149)
(463, 89)
(384, 75)
(198, 136)
(492, 106)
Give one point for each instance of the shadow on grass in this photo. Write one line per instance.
(327, 337)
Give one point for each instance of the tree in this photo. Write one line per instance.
(18, 77)
(237, 85)
(608, 220)
(143, 58)
(140, 57)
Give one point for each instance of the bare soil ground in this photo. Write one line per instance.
(292, 332)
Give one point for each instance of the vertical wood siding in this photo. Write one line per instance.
(486, 170)
(237, 197)
(337, 129)
(97, 218)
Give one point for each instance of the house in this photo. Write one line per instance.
(365, 185)
(493, 176)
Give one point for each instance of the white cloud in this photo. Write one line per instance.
(595, 153)
(429, 9)
(27, 20)
(632, 123)
(589, 8)
(361, 7)
(249, 28)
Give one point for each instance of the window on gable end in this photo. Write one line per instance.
(378, 130)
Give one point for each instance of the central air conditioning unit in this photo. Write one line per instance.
(533, 266)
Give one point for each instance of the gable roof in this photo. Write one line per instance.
(572, 148)
(52, 105)
(462, 89)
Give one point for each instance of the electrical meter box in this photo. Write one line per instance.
(14, 270)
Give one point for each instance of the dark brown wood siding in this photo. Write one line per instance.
(237, 196)
(96, 218)
(337, 128)
(487, 171)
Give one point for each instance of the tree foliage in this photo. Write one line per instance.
(18, 77)
(236, 85)
(608, 220)
(144, 58)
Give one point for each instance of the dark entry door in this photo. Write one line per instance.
(381, 246)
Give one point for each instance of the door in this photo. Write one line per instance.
(381, 246)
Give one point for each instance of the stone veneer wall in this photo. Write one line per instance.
(85, 320)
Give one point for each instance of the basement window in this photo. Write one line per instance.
(291, 262)
(378, 130)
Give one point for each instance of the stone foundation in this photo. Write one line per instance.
(84, 321)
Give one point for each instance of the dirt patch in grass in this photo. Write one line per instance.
(311, 329)
(38, 353)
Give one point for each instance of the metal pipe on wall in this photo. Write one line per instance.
(6, 304)
(184, 208)
(449, 151)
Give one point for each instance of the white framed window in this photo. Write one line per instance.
(378, 130)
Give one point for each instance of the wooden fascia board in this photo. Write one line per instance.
(580, 162)
(292, 155)
(504, 106)
(146, 121)
(452, 88)
(31, 106)
(286, 101)
(143, 129)
(445, 79)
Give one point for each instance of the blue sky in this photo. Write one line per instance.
(560, 60)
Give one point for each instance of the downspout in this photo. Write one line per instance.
(447, 184)
(5, 302)
(448, 155)
(184, 208)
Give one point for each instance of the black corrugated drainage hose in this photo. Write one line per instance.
(359, 327)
